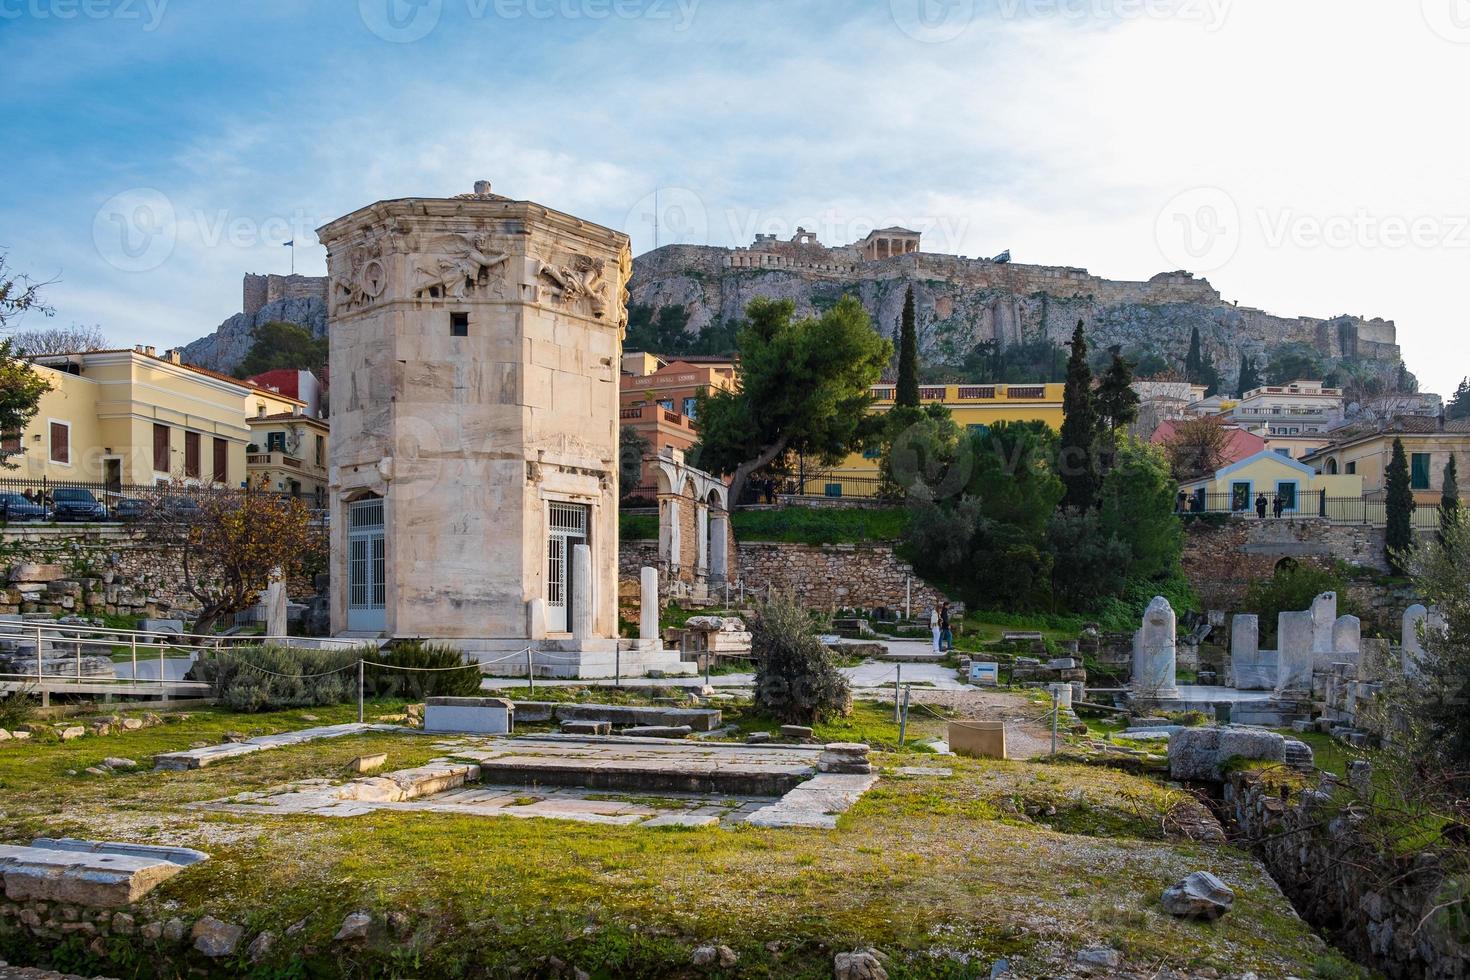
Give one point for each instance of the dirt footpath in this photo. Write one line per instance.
(1028, 731)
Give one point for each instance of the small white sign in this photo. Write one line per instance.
(985, 674)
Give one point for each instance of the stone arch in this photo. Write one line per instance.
(1332, 466)
(1287, 565)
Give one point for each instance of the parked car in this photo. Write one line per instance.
(19, 507)
(176, 508)
(76, 504)
(130, 509)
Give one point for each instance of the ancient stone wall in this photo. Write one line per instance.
(1222, 561)
(822, 576)
(860, 576)
(259, 290)
(107, 569)
(1381, 911)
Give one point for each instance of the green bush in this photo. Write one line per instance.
(820, 525)
(796, 681)
(17, 708)
(1292, 589)
(253, 679)
(637, 527)
(424, 671)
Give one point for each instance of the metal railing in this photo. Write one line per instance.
(57, 642)
(1369, 511)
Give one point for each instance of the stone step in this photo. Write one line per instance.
(92, 873)
(660, 775)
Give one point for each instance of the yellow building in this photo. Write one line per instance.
(288, 453)
(1303, 491)
(973, 407)
(1364, 451)
(130, 418)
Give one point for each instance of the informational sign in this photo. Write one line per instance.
(985, 674)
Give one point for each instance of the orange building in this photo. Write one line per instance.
(659, 403)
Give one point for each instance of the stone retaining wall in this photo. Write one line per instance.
(1222, 561)
(1367, 905)
(859, 576)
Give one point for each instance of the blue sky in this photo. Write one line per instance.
(1300, 154)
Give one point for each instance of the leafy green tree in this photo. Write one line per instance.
(1137, 508)
(803, 389)
(1076, 461)
(907, 393)
(923, 453)
(279, 345)
(1117, 402)
(631, 447)
(1250, 374)
(989, 362)
(1449, 501)
(1432, 733)
(1089, 563)
(796, 681)
(1399, 504)
(989, 539)
(19, 294)
(1292, 589)
(658, 330)
(21, 388)
(1291, 362)
(1459, 404)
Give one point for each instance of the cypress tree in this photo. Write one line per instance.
(1116, 401)
(1250, 374)
(1193, 360)
(1449, 501)
(1399, 534)
(1079, 428)
(907, 394)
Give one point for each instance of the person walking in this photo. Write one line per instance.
(1261, 506)
(946, 635)
(934, 625)
(1277, 506)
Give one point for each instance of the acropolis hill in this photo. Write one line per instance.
(963, 301)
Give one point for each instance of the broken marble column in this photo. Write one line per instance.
(1418, 623)
(1155, 652)
(648, 604)
(583, 606)
(1347, 640)
(275, 604)
(1249, 672)
(1324, 614)
(1294, 634)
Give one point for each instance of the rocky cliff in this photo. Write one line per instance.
(963, 302)
(224, 349)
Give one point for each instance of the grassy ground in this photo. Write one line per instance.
(819, 525)
(1029, 861)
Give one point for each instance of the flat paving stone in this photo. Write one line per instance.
(210, 754)
(558, 777)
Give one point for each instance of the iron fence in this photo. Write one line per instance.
(827, 484)
(1369, 511)
(43, 500)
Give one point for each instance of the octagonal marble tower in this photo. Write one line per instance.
(475, 348)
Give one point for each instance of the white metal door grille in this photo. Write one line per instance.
(367, 590)
(567, 529)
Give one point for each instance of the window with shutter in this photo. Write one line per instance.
(60, 443)
(191, 455)
(221, 461)
(160, 448)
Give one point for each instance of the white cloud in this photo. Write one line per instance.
(1059, 137)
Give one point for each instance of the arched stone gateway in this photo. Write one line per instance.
(693, 525)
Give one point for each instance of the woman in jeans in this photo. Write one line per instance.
(934, 625)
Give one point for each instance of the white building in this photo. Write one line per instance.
(1293, 418)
